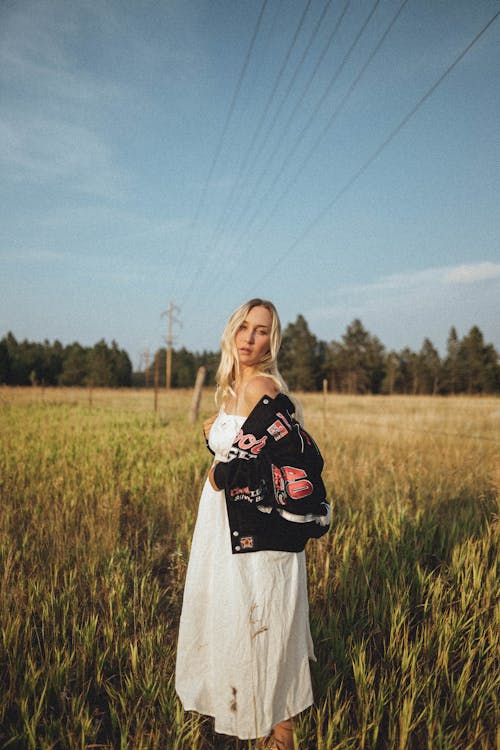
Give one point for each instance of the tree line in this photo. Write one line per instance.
(31, 363)
(358, 363)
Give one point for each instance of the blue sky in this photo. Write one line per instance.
(150, 153)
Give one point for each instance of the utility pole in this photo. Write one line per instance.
(168, 363)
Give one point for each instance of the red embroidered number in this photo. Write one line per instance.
(297, 485)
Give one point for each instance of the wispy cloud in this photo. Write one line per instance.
(96, 267)
(40, 150)
(34, 255)
(37, 62)
(469, 274)
(49, 129)
(427, 278)
(411, 305)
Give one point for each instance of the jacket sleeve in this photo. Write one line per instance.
(274, 462)
(244, 479)
(299, 491)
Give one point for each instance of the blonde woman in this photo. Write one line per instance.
(244, 640)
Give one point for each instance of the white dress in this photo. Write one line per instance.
(244, 640)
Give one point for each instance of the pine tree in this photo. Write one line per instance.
(429, 368)
(299, 356)
(4, 362)
(451, 362)
(364, 360)
(477, 364)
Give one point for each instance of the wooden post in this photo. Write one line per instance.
(91, 386)
(325, 391)
(200, 378)
(168, 370)
(156, 379)
(146, 356)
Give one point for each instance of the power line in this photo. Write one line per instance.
(403, 122)
(256, 134)
(337, 110)
(319, 104)
(291, 119)
(225, 128)
(293, 79)
(263, 117)
(293, 247)
(289, 157)
(313, 114)
(299, 100)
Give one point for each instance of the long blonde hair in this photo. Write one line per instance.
(229, 366)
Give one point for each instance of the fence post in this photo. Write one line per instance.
(200, 378)
(156, 380)
(325, 391)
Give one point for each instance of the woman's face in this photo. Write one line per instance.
(254, 336)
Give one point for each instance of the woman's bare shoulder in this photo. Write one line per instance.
(258, 387)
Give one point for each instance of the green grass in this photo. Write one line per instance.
(98, 507)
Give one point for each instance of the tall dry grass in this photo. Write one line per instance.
(98, 507)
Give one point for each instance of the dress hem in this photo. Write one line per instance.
(265, 733)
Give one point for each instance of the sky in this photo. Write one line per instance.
(341, 158)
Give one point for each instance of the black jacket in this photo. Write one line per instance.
(275, 495)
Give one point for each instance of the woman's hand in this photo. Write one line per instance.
(207, 424)
(211, 477)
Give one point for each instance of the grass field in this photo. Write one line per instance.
(98, 506)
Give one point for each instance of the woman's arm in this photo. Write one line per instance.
(211, 477)
(207, 425)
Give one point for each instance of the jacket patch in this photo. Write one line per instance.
(277, 430)
(290, 482)
(246, 542)
(297, 484)
(281, 416)
(249, 442)
(235, 452)
(245, 493)
(279, 486)
(246, 446)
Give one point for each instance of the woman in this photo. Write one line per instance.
(244, 639)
